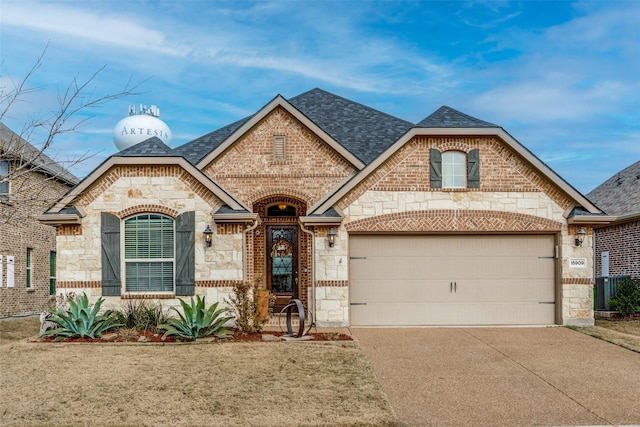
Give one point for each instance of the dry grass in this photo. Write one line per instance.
(625, 333)
(228, 384)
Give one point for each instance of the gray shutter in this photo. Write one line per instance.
(473, 169)
(110, 241)
(185, 253)
(435, 168)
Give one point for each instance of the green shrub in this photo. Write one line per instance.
(142, 315)
(627, 299)
(81, 320)
(198, 321)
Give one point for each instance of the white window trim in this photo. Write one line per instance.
(447, 168)
(125, 260)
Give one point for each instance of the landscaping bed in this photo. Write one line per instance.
(146, 336)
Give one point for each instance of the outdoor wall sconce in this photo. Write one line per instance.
(207, 236)
(331, 235)
(580, 233)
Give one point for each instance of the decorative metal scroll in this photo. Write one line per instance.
(301, 317)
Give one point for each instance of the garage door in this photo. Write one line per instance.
(451, 280)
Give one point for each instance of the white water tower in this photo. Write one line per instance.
(140, 126)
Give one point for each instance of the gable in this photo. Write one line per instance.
(250, 168)
(153, 173)
(508, 166)
(501, 169)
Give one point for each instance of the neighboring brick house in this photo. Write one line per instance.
(366, 218)
(27, 247)
(618, 243)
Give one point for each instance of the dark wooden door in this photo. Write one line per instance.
(282, 262)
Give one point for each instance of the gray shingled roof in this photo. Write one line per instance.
(362, 130)
(152, 147)
(365, 132)
(447, 117)
(13, 145)
(197, 149)
(620, 194)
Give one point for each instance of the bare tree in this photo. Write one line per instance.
(26, 153)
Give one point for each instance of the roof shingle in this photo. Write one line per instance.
(447, 117)
(620, 194)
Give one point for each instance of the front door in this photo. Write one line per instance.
(282, 263)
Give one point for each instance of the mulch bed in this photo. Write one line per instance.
(144, 336)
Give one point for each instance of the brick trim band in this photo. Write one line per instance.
(454, 220)
(332, 283)
(78, 284)
(217, 283)
(577, 281)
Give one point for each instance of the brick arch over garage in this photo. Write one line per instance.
(438, 220)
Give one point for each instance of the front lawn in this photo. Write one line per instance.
(625, 333)
(225, 384)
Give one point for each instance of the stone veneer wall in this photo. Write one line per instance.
(127, 190)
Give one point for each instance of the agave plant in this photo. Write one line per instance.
(81, 320)
(198, 321)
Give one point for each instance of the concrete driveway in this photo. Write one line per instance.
(504, 376)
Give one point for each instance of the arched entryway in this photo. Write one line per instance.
(281, 250)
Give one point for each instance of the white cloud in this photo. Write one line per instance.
(86, 26)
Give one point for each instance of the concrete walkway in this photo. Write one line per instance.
(504, 376)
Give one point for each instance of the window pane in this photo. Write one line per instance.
(149, 249)
(52, 273)
(149, 276)
(148, 236)
(4, 185)
(454, 169)
(29, 267)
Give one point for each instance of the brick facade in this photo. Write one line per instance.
(250, 171)
(513, 197)
(32, 193)
(622, 241)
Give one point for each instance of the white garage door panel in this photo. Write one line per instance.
(451, 280)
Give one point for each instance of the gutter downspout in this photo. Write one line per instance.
(313, 271)
(245, 250)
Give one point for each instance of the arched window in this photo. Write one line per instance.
(149, 253)
(454, 169)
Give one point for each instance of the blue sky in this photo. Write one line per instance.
(561, 77)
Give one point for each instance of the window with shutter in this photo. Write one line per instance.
(149, 253)
(435, 168)
(473, 169)
(185, 253)
(110, 242)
